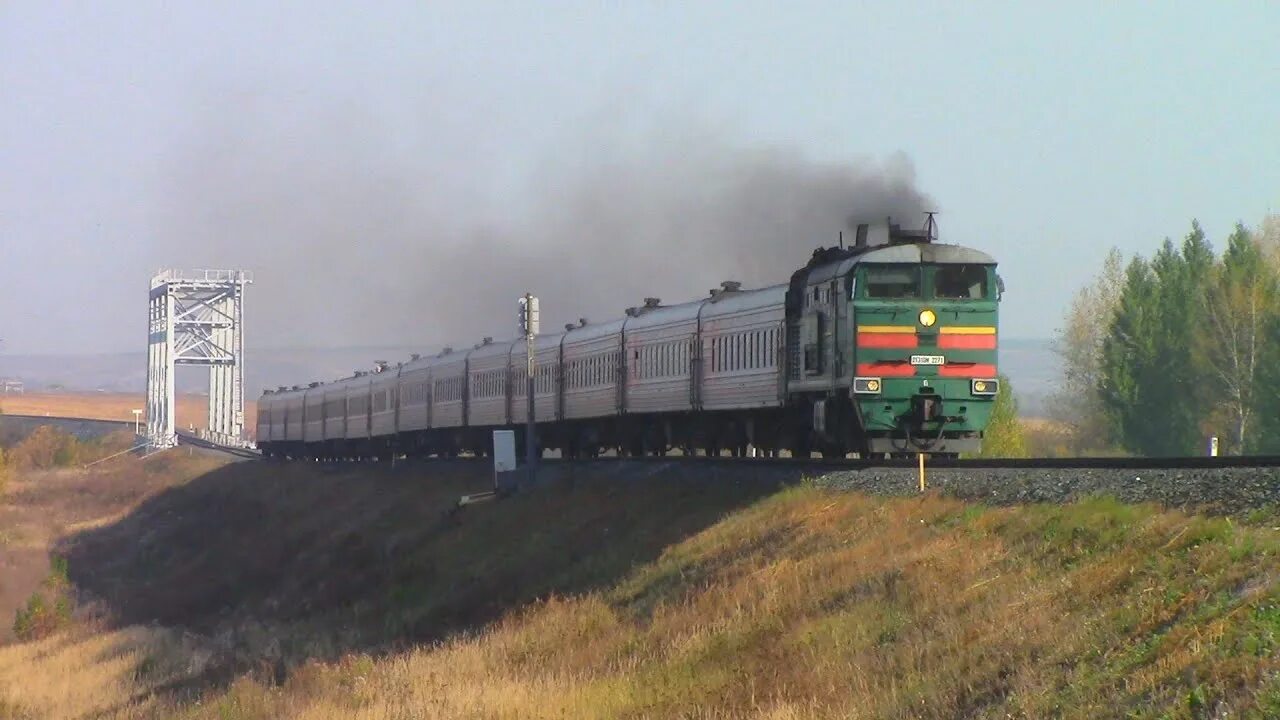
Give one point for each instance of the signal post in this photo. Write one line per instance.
(528, 318)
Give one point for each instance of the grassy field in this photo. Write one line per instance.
(191, 410)
(297, 592)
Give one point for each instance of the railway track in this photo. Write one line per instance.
(1080, 463)
(838, 464)
(242, 453)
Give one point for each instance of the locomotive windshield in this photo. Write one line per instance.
(893, 281)
(941, 282)
(960, 282)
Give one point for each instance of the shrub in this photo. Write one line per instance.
(46, 447)
(50, 447)
(48, 610)
(1005, 436)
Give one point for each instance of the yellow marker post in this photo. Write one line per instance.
(921, 457)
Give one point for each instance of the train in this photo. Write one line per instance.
(884, 347)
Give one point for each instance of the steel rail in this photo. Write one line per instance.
(192, 440)
(832, 464)
(1080, 463)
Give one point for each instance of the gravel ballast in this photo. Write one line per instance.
(1231, 490)
(1219, 490)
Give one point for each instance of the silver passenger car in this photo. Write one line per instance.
(313, 404)
(488, 386)
(742, 344)
(335, 410)
(590, 367)
(546, 375)
(357, 426)
(262, 428)
(659, 351)
(414, 386)
(449, 390)
(293, 415)
(382, 402)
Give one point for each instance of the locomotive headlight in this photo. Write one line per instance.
(928, 318)
(985, 386)
(866, 385)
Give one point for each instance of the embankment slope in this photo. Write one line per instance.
(300, 591)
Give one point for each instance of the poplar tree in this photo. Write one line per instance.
(1129, 363)
(1239, 307)
(1079, 344)
(1266, 398)
(1182, 396)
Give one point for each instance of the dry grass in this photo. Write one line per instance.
(807, 604)
(192, 410)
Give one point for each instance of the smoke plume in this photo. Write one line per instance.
(359, 240)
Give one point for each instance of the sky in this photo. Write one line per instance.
(392, 173)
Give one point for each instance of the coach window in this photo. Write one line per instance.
(960, 282)
(893, 281)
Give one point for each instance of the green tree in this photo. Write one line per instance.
(1004, 436)
(1152, 385)
(1129, 362)
(1182, 401)
(1239, 305)
(1077, 401)
(1268, 237)
(1266, 437)
(1192, 347)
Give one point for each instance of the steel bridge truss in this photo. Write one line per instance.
(196, 318)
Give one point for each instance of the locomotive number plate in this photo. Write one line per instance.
(928, 360)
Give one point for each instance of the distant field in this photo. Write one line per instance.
(191, 410)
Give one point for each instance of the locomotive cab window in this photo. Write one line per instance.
(892, 281)
(960, 282)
